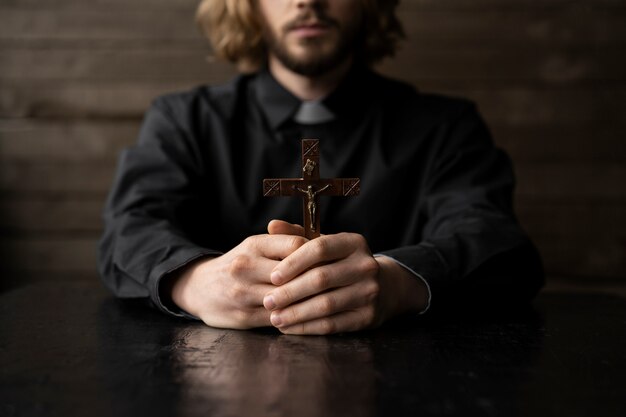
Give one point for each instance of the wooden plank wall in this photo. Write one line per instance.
(549, 77)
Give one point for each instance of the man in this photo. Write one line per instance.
(185, 219)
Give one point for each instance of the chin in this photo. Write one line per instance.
(311, 57)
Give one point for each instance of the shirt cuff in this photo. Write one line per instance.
(378, 255)
(167, 268)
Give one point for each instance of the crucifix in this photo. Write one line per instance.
(310, 187)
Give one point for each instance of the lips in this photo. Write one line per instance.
(310, 29)
(311, 24)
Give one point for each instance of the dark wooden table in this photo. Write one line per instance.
(73, 350)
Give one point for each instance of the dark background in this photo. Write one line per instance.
(549, 77)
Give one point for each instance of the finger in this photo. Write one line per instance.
(312, 282)
(314, 252)
(241, 319)
(325, 305)
(280, 227)
(259, 317)
(244, 295)
(348, 321)
(275, 247)
(248, 269)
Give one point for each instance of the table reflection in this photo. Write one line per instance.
(80, 352)
(263, 373)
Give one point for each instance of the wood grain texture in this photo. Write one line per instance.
(23, 177)
(515, 105)
(79, 139)
(65, 140)
(549, 77)
(57, 231)
(94, 177)
(50, 254)
(572, 23)
(72, 350)
(59, 216)
(558, 67)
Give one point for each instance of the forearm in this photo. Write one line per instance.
(132, 263)
(177, 287)
(480, 269)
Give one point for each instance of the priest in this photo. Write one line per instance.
(433, 228)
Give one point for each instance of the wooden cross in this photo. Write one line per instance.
(310, 187)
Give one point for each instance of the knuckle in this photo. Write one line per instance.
(296, 329)
(321, 247)
(372, 291)
(327, 305)
(295, 316)
(356, 239)
(327, 326)
(249, 241)
(252, 242)
(369, 266)
(287, 264)
(368, 316)
(294, 243)
(321, 280)
(283, 296)
(240, 319)
(239, 264)
(359, 240)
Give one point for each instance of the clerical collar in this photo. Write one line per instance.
(280, 105)
(313, 112)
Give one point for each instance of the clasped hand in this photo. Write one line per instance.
(327, 285)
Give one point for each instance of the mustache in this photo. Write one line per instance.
(308, 17)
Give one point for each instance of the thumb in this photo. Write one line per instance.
(280, 227)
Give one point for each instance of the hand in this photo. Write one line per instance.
(227, 291)
(333, 284)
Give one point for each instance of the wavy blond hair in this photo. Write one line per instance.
(236, 33)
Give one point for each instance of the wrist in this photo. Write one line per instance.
(179, 286)
(406, 293)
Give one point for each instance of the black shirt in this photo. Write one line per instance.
(436, 195)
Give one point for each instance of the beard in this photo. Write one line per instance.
(321, 54)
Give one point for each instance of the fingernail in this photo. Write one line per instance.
(276, 277)
(276, 320)
(269, 302)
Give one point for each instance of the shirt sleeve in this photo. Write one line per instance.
(472, 249)
(416, 276)
(151, 213)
